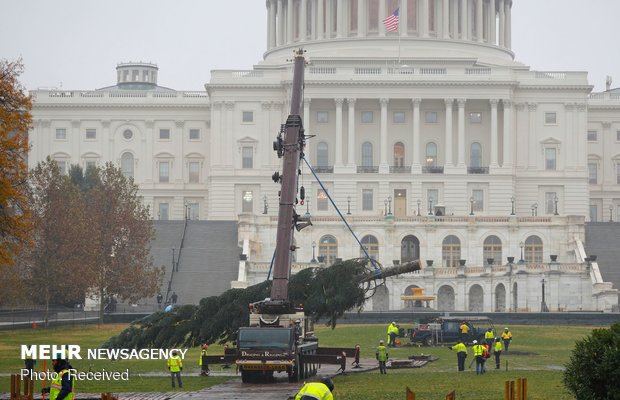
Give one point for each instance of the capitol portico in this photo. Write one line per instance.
(431, 139)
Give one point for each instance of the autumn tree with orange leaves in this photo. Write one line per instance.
(15, 120)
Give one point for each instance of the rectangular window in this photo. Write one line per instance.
(322, 117)
(550, 159)
(430, 117)
(432, 198)
(91, 134)
(62, 167)
(162, 214)
(164, 134)
(193, 210)
(367, 117)
(475, 118)
(90, 164)
(321, 200)
(398, 117)
(592, 136)
(194, 172)
(367, 200)
(478, 196)
(247, 117)
(194, 134)
(61, 134)
(551, 118)
(618, 136)
(247, 202)
(248, 157)
(592, 173)
(550, 202)
(593, 213)
(618, 173)
(164, 171)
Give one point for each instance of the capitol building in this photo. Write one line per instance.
(431, 138)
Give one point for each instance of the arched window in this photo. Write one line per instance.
(367, 154)
(533, 249)
(399, 154)
(475, 155)
(451, 251)
(322, 155)
(431, 154)
(371, 244)
(127, 164)
(492, 248)
(328, 249)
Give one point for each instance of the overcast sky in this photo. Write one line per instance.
(79, 42)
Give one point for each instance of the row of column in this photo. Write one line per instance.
(449, 129)
(456, 19)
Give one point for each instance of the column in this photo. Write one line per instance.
(455, 18)
(216, 133)
(303, 19)
(463, 15)
(329, 21)
(267, 139)
(351, 143)
(449, 149)
(280, 23)
(271, 24)
(338, 132)
(362, 6)
(423, 20)
(108, 156)
(382, 16)
(569, 160)
(403, 18)
(493, 26)
(494, 140)
(461, 133)
(228, 134)
(502, 25)
(416, 135)
(148, 169)
(531, 108)
(313, 19)
(307, 128)
(479, 21)
(289, 21)
(384, 162)
(508, 140)
(177, 138)
(320, 27)
(508, 25)
(446, 19)
(339, 19)
(582, 126)
(74, 137)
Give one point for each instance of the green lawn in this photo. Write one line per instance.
(549, 349)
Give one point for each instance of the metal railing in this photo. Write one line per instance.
(432, 170)
(477, 170)
(370, 169)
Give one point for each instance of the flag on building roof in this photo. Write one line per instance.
(391, 21)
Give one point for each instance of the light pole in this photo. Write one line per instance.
(173, 263)
(419, 202)
(430, 206)
(385, 208)
(313, 247)
(512, 202)
(534, 208)
(348, 205)
(471, 205)
(389, 205)
(265, 205)
(307, 215)
(186, 210)
(543, 304)
(555, 201)
(611, 213)
(522, 245)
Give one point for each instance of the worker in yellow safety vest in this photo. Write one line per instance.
(63, 384)
(317, 390)
(507, 338)
(479, 351)
(175, 366)
(204, 365)
(461, 354)
(489, 337)
(392, 334)
(497, 350)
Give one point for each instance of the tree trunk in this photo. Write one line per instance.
(101, 305)
(392, 271)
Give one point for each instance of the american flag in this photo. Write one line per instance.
(391, 21)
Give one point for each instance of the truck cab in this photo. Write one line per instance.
(447, 330)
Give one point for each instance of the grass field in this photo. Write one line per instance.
(549, 348)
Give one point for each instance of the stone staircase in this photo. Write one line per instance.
(603, 240)
(209, 260)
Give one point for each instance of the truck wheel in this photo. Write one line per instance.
(428, 341)
(246, 377)
(293, 375)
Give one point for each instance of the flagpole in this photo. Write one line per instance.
(399, 31)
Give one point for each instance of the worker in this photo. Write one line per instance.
(497, 351)
(175, 366)
(507, 338)
(29, 365)
(63, 385)
(204, 365)
(464, 328)
(461, 354)
(486, 354)
(392, 334)
(479, 356)
(382, 356)
(321, 390)
(489, 337)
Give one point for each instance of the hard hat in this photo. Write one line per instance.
(475, 342)
(327, 381)
(205, 346)
(393, 323)
(506, 328)
(381, 342)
